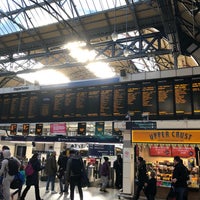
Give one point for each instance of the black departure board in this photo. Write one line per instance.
(134, 99)
(93, 102)
(58, 103)
(45, 104)
(23, 105)
(69, 108)
(33, 105)
(106, 101)
(119, 100)
(6, 102)
(149, 98)
(170, 98)
(196, 96)
(165, 98)
(182, 97)
(81, 102)
(14, 106)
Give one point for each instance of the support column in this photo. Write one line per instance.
(128, 165)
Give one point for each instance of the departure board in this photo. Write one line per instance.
(58, 103)
(81, 102)
(134, 99)
(33, 105)
(182, 97)
(6, 106)
(14, 106)
(149, 98)
(69, 103)
(23, 106)
(119, 100)
(196, 96)
(93, 102)
(165, 98)
(106, 101)
(45, 104)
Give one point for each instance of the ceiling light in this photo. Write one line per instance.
(126, 52)
(114, 36)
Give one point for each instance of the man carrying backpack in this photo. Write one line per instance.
(8, 172)
(73, 173)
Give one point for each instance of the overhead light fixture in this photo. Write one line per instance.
(114, 35)
(126, 52)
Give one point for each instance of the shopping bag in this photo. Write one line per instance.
(172, 194)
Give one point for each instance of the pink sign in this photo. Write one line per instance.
(58, 129)
(160, 151)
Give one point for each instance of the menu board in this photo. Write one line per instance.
(6, 101)
(165, 98)
(182, 97)
(93, 102)
(23, 106)
(58, 103)
(81, 102)
(119, 100)
(69, 103)
(134, 99)
(33, 105)
(106, 101)
(196, 96)
(149, 98)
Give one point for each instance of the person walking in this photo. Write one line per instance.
(151, 188)
(105, 174)
(51, 170)
(7, 177)
(62, 163)
(74, 171)
(179, 178)
(23, 177)
(142, 177)
(118, 166)
(33, 180)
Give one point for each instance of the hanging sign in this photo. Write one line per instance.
(160, 151)
(184, 152)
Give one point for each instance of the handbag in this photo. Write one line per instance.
(172, 194)
(84, 179)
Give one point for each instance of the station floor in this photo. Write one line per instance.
(93, 193)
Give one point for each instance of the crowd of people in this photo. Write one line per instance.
(69, 171)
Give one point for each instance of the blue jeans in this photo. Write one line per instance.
(50, 179)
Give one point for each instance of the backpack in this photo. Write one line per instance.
(76, 166)
(29, 169)
(17, 182)
(13, 166)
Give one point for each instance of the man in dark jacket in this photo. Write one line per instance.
(118, 166)
(142, 177)
(179, 178)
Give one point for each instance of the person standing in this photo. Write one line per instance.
(62, 163)
(105, 174)
(151, 188)
(179, 178)
(142, 177)
(51, 170)
(74, 171)
(7, 178)
(118, 166)
(33, 180)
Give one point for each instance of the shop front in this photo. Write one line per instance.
(158, 148)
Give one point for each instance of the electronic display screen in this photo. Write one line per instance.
(196, 96)
(165, 98)
(69, 103)
(23, 106)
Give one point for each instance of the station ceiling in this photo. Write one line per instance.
(157, 34)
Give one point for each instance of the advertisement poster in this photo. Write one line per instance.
(58, 129)
(184, 152)
(160, 151)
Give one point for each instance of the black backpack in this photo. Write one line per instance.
(76, 166)
(13, 166)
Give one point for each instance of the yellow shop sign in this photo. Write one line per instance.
(166, 136)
